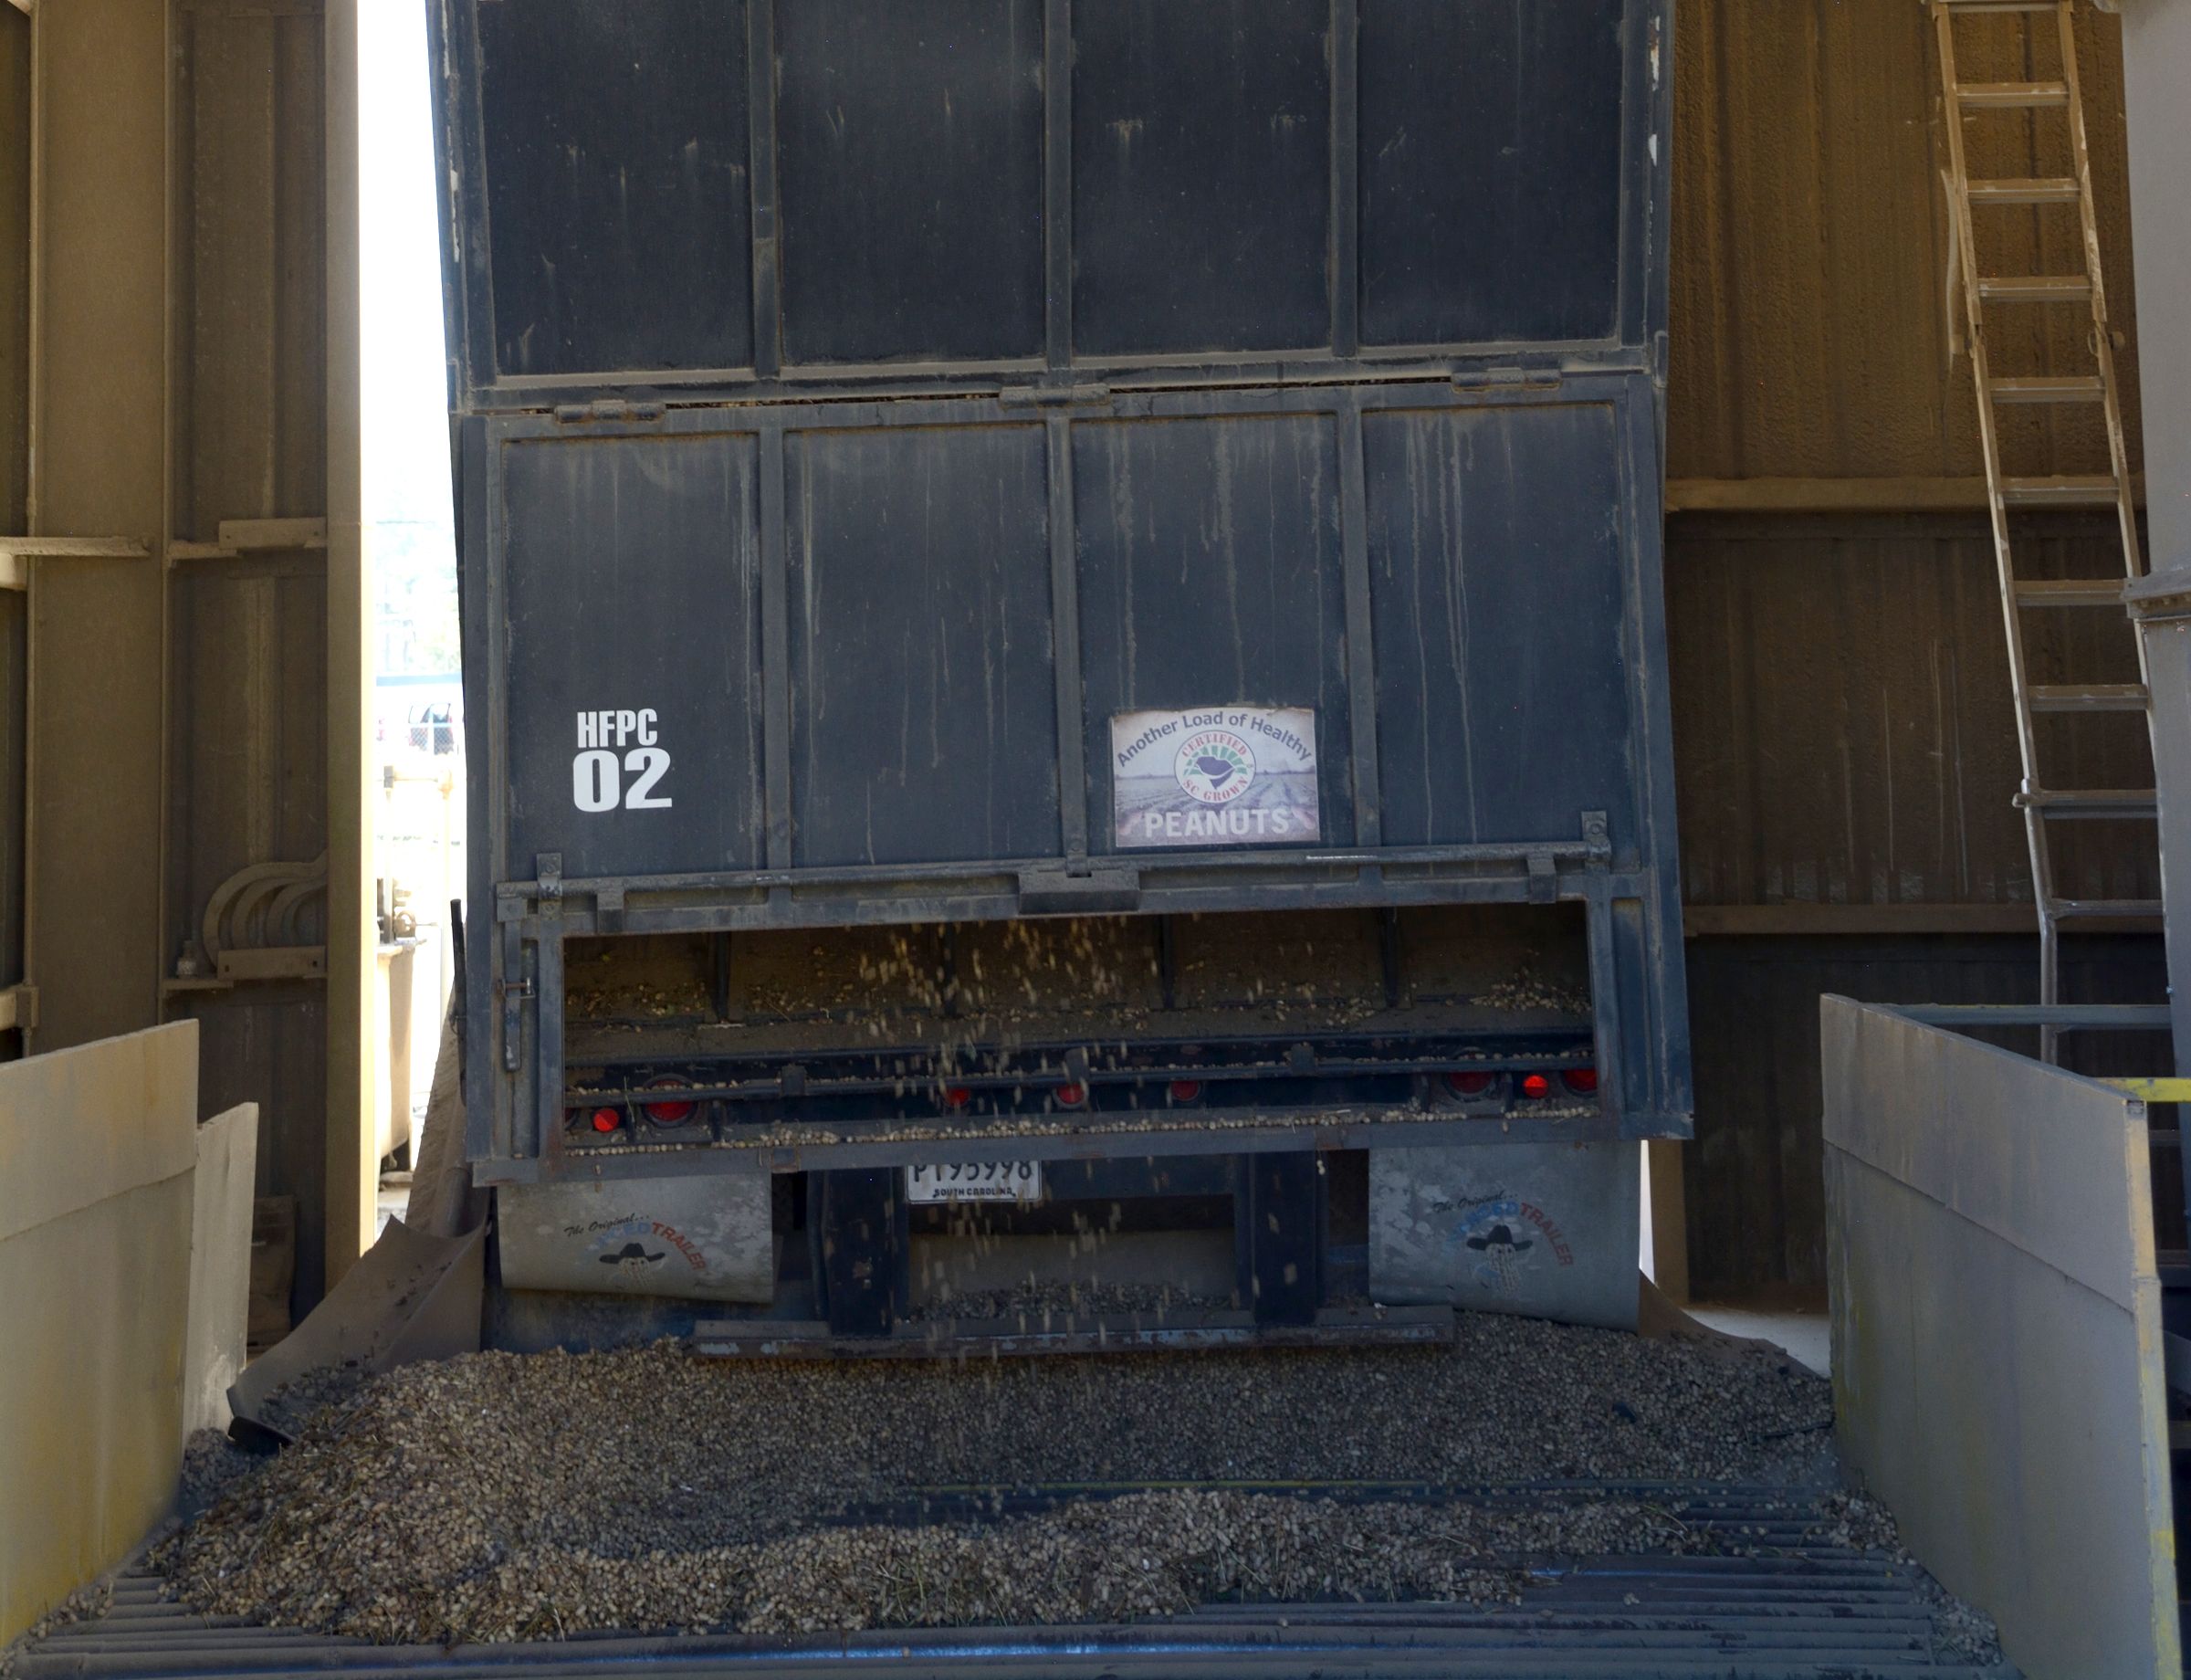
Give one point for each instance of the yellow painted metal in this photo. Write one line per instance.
(2154, 1090)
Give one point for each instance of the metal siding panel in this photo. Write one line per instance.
(1210, 573)
(616, 187)
(269, 1045)
(1494, 215)
(235, 278)
(15, 647)
(15, 269)
(924, 702)
(1808, 245)
(1202, 165)
(297, 411)
(1843, 715)
(248, 746)
(632, 572)
(911, 174)
(251, 386)
(1754, 1190)
(1498, 719)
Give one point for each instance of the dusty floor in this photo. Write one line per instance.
(497, 1496)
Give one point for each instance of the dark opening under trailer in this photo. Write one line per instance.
(1064, 636)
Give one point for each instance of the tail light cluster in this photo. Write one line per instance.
(1482, 1085)
(662, 1104)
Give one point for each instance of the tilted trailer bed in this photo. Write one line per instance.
(1064, 633)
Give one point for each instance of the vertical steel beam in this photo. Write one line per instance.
(2156, 68)
(352, 1180)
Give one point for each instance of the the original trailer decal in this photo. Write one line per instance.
(1223, 775)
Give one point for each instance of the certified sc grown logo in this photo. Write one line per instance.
(1215, 766)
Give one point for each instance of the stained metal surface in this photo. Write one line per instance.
(691, 1238)
(1799, 1610)
(715, 195)
(1997, 1359)
(1547, 1230)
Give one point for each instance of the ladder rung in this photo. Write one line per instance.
(2094, 909)
(2011, 95)
(2070, 490)
(2070, 592)
(2091, 801)
(2002, 5)
(2049, 190)
(2049, 388)
(2035, 288)
(2089, 696)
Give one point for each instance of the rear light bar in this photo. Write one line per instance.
(669, 1110)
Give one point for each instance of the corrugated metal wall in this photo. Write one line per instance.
(1809, 298)
(248, 652)
(1844, 740)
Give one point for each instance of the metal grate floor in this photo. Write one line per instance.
(1805, 1609)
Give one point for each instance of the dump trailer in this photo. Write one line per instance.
(1064, 638)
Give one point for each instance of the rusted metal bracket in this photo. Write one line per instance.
(235, 539)
(19, 1007)
(17, 552)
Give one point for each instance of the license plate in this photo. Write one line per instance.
(975, 1180)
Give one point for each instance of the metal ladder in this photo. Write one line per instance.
(2042, 802)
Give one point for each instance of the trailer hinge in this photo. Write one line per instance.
(516, 994)
(1543, 878)
(19, 1007)
(1499, 380)
(513, 986)
(1055, 396)
(607, 409)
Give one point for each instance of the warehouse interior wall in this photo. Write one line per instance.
(1844, 737)
(186, 666)
(181, 721)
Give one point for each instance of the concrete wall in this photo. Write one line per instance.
(220, 1265)
(97, 1146)
(1997, 1365)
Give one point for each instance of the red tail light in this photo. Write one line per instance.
(669, 1110)
(1535, 1086)
(1471, 1084)
(1582, 1081)
(1186, 1090)
(957, 1097)
(606, 1119)
(1072, 1095)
